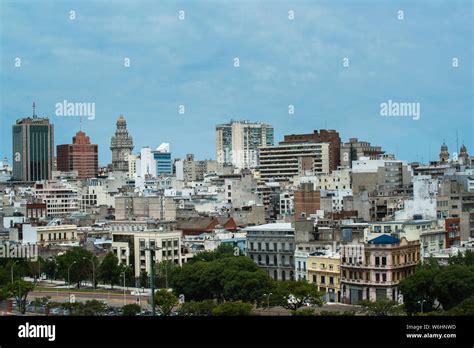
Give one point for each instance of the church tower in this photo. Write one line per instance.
(444, 154)
(121, 146)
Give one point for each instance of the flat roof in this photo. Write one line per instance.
(278, 226)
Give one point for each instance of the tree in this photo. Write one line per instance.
(466, 259)
(165, 301)
(224, 279)
(92, 308)
(453, 284)
(233, 308)
(109, 269)
(293, 294)
(383, 307)
(223, 250)
(19, 290)
(131, 309)
(41, 301)
(50, 268)
(197, 308)
(144, 279)
(77, 260)
(420, 288)
(164, 272)
(466, 307)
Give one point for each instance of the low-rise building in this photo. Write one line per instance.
(373, 270)
(272, 247)
(324, 270)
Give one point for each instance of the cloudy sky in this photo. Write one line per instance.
(283, 62)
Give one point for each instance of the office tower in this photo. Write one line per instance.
(237, 142)
(33, 148)
(81, 155)
(121, 146)
(162, 156)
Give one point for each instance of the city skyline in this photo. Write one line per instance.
(188, 64)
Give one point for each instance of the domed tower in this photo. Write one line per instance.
(444, 154)
(463, 155)
(121, 146)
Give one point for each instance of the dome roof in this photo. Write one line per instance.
(444, 147)
(121, 120)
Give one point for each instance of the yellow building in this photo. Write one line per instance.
(324, 269)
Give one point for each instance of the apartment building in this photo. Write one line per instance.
(272, 247)
(324, 270)
(374, 269)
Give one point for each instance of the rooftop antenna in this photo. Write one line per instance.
(34, 112)
(457, 143)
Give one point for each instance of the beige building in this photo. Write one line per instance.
(131, 242)
(373, 270)
(283, 162)
(324, 270)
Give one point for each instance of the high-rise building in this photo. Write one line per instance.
(33, 148)
(162, 156)
(355, 149)
(237, 142)
(323, 136)
(121, 146)
(81, 155)
(283, 162)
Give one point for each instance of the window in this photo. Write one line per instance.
(267, 246)
(384, 277)
(323, 280)
(314, 279)
(251, 246)
(331, 280)
(377, 277)
(384, 260)
(377, 261)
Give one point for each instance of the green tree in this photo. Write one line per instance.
(165, 301)
(144, 279)
(383, 307)
(197, 308)
(293, 294)
(50, 268)
(110, 269)
(131, 309)
(466, 307)
(453, 284)
(77, 260)
(466, 259)
(224, 279)
(19, 290)
(233, 308)
(165, 272)
(92, 308)
(223, 250)
(420, 287)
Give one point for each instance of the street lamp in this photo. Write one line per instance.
(11, 269)
(268, 299)
(93, 270)
(421, 302)
(69, 275)
(124, 287)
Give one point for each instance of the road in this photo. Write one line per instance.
(112, 299)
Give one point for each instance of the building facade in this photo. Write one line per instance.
(324, 270)
(81, 156)
(373, 270)
(284, 162)
(237, 142)
(272, 247)
(33, 149)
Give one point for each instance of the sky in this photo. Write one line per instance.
(335, 62)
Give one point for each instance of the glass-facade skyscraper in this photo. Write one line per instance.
(33, 149)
